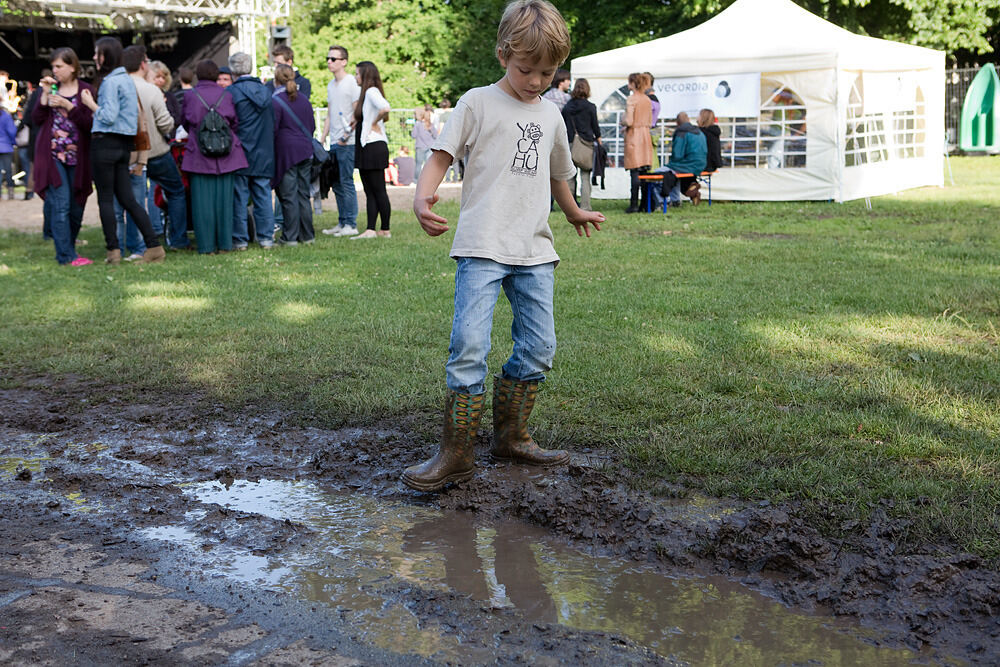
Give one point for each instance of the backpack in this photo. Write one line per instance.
(214, 137)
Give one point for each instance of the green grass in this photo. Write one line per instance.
(815, 352)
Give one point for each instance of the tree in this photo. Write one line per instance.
(429, 49)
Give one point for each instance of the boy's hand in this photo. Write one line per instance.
(580, 219)
(432, 223)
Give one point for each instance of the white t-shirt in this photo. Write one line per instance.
(374, 103)
(340, 98)
(511, 150)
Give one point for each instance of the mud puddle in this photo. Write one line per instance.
(359, 546)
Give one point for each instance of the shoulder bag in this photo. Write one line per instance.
(320, 154)
(581, 152)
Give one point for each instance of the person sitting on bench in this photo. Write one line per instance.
(688, 155)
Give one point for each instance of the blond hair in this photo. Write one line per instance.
(533, 29)
(159, 67)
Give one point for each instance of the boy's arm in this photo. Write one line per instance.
(574, 214)
(431, 176)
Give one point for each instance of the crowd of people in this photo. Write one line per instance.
(232, 158)
(227, 156)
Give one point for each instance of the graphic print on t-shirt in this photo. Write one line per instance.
(526, 157)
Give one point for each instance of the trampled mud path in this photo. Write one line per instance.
(118, 542)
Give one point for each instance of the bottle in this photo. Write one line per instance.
(347, 127)
(55, 89)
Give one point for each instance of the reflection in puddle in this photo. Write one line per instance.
(361, 544)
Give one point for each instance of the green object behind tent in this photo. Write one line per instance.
(981, 112)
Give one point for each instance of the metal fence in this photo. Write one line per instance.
(956, 85)
(400, 123)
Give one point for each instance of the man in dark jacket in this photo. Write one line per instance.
(688, 154)
(256, 132)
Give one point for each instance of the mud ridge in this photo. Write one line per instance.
(943, 602)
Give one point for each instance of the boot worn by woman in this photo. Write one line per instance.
(152, 255)
(512, 405)
(455, 460)
(114, 256)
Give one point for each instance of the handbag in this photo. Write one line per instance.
(581, 152)
(320, 154)
(23, 137)
(142, 133)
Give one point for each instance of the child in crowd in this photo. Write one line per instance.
(516, 150)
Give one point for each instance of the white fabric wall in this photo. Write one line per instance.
(811, 57)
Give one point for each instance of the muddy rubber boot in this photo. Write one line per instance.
(455, 460)
(114, 257)
(153, 255)
(512, 405)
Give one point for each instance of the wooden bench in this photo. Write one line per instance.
(705, 177)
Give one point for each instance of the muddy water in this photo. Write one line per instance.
(360, 547)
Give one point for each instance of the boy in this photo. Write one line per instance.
(516, 148)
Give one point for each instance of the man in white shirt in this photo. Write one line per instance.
(342, 95)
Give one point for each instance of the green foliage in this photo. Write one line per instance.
(429, 49)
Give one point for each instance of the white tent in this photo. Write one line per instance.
(839, 116)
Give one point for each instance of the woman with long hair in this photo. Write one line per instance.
(637, 121)
(713, 139)
(424, 133)
(293, 157)
(371, 147)
(580, 115)
(116, 121)
(61, 164)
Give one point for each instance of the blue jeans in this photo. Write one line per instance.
(65, 213)
(163, 171)
(258, 190)
(7, 170)
(129, 238)
(421, 155)
(477, 287)
(343, 190)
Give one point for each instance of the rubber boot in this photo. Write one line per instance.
(512, 405)
(152, 255)
(455, 460)
(114, 256)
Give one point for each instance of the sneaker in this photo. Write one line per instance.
(242, 246)
(348, 231)
(289, 243)
(81, 261)
(308, 241)
(367, 234)
(131, 258)
(266, 245)
(334, 231)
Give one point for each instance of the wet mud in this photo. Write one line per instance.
(166, 529)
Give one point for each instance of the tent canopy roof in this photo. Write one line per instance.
(758, 36)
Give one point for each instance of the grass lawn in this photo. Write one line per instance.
(816, 352)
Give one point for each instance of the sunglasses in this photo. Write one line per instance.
(330, 59)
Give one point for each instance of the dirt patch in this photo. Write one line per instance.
(943, 604)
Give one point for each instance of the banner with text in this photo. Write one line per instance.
(728, 95)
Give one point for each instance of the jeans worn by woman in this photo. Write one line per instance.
(66, 215)
(109, 157)
(293, 191)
